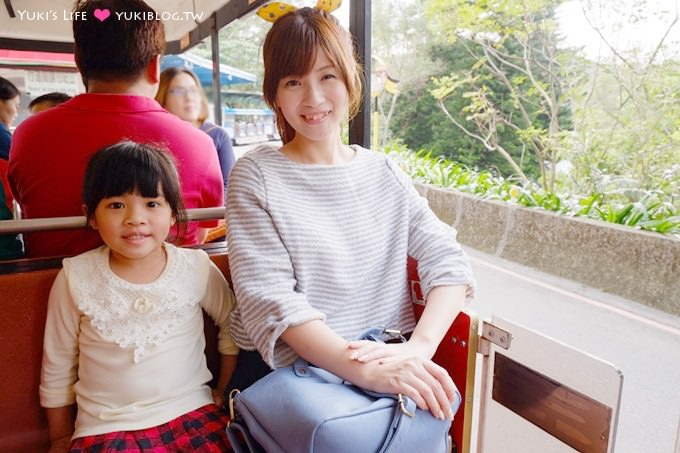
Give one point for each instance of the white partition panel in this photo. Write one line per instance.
(543, 396)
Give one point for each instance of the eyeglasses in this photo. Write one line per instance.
(183, 91)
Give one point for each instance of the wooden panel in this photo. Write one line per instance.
(570, 416)
(538, 409)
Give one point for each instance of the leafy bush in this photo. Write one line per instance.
(645, 210)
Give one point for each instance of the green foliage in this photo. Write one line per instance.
(627, 127)
(651, 212)
(420, 123)
(513, 87)
(240, 46)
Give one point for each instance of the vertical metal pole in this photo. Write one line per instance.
(217, 91)
(360, 27)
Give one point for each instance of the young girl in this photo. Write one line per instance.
(124, 332)
(327, 230)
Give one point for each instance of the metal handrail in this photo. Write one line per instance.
(65, 223)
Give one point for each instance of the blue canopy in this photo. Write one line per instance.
(202, 67)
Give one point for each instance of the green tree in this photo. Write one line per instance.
(627, 108)
(240, 46)
(421, 123)
(400, 40)
(513, 44)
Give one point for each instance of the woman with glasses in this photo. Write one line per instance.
(10, 247)
(9, 109)
(180, 93)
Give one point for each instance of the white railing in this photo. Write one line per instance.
(65, 223)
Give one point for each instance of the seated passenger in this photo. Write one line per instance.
(9, 109)
(47, 101)
(10, 245)
(119, 63)
(320, 232)
(124, 332)
(180, 93)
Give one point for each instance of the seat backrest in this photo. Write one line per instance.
(23, 300)
(457, 353)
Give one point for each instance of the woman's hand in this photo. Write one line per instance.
(422, 380)
(404, 368)
(365, 351)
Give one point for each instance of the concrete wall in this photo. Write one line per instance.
(638, 265)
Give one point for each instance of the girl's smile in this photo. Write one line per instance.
(134, 228)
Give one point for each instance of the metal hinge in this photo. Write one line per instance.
(492, 334)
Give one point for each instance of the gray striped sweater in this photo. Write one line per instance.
(329, 242)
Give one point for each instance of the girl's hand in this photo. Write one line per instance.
(61, 445)
(218, 396)
(422, 380)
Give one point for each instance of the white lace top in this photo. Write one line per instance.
(131, 355)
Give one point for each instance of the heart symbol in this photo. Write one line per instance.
(102, 14)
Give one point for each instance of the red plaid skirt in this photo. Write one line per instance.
(201, 430)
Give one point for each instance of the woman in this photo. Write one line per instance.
(180, 93)
(319, 234)
(9, 109)
(10, 246)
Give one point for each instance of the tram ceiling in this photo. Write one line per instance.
(45, 25)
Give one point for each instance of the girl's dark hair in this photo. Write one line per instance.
(128, 167)
(7, 90)
(290, 49)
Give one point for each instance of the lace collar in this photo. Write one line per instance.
(137, 315)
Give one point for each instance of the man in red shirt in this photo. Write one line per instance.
(119, 61)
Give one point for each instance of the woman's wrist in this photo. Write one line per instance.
(423, 347)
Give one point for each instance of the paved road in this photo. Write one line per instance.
(642, 342)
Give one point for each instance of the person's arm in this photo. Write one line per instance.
(262, 271)
(59, 367)
(225, 153)
(227, 367)
(415, 376)
(60, 422)
(202, 234)
(446, 280)
(443, 305)
(209, 183)
(218, 303)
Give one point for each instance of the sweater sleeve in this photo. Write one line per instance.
(219, 302)
(441, 259)
(212, 184)
(60, 348)
(261, 269)
(225, 153)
